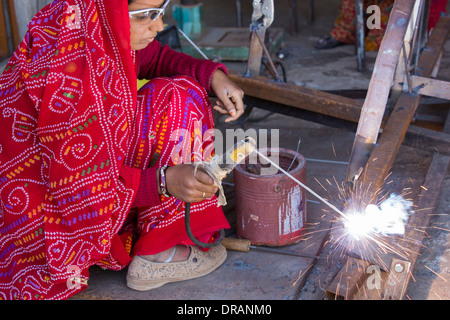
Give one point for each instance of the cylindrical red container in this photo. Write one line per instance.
(271, 209)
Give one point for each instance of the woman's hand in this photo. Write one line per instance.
(229, 95)
(184, 185)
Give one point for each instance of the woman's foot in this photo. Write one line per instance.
(328, 42)
(144, 274)
(174, 254)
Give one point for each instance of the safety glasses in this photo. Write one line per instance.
(145, 16)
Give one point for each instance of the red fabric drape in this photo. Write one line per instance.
(74, 139)
(67, 100)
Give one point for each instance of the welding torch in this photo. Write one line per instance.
(218, 168)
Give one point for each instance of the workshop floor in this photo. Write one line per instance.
(266, 276)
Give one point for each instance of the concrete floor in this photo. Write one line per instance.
(264, 276)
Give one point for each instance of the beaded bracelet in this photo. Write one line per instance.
(162, 181)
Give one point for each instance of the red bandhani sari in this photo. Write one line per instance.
(74, 139)
(180, 131)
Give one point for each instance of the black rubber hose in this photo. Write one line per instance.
(187, 222)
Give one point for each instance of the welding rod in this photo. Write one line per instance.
(305, 187)
(244, 245)
(193, 44)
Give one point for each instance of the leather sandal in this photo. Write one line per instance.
(327, 42)
(145, 275)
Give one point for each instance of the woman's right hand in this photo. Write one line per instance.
(184, 185)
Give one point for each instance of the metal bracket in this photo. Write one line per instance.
(430, 87)
(397, 281)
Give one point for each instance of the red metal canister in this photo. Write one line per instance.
(271, 209)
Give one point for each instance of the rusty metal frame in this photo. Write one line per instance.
(399, 270)
(298, 97)
(349, 280)
(380, 84)
(370, 116)
(371, 119)
(396, 283)
(426, 200)
(394, 131)
(430, 87)
(383, 156)
(427, 139)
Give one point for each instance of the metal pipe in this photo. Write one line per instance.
(238, 14)
(327, 161)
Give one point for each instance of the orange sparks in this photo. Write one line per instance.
(436, 273)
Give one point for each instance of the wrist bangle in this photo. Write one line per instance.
(162, 181)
